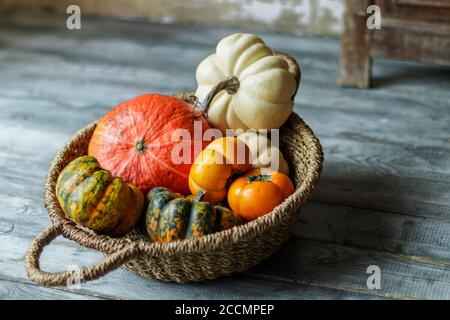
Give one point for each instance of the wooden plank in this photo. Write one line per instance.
(429, 10)
(348, 185)
(444, 4)
(355, 62)
(424, 238)
(417, 27)
(11, 289)
(412, 40)
(316, 262)
(402, 121)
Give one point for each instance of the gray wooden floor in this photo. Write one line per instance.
(384, 197)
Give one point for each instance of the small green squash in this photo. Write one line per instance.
(95, 199)
(171, 216)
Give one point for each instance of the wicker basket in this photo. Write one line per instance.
(207, 257)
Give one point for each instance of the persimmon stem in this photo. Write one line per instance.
(231, 85)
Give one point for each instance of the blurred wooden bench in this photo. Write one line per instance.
(413, 30)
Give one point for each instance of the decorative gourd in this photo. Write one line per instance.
(264, 153)
(245, 85)
(135, 142)
(95, 199)
(170, 216)
(215, 166)
(258, 192)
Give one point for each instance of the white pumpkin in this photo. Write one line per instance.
(263, 153)
(263, 86)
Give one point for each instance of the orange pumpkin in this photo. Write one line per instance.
(258, 192)
(135, 142)
(215, 166)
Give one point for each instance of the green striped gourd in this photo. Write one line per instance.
(171, 216)
(95, 199)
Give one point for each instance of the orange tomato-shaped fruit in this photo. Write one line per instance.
(216, 164)
(258, 192)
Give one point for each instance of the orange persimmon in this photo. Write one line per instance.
(258, 192)
(216, 164)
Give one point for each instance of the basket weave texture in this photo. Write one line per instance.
(207, 257)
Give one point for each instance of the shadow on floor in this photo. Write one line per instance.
(387, 73)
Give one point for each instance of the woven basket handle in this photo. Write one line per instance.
(84, 274)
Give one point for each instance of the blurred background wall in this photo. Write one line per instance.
(321, 17)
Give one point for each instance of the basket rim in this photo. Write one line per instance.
(210, 242)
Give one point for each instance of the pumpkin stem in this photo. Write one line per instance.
(199, 196)
(260, 178)
(231, 85)
(140, 146)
